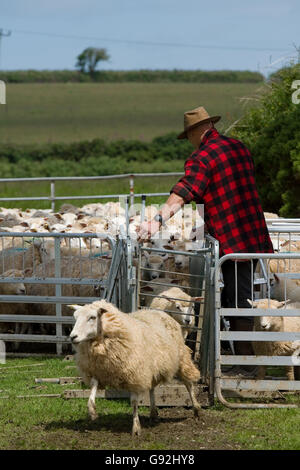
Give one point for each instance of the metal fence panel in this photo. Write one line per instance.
(285, 260)
(60, 268)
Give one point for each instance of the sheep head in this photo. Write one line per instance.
(268, 323)
(154, 264)
(93, 321)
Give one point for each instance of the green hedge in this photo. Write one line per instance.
(112, 76)
(272, 132)
(95, 157)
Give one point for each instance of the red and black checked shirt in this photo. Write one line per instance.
(220, 175)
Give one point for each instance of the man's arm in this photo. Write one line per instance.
(148, 229)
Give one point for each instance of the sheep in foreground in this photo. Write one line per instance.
(276, 348)
(133, 352)
(285, 288)
(179, 305)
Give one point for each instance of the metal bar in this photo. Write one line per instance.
(131, 189)
(177, 252)
(88, 178)
(36, 319)
(35, 338)
(58, 306)
(259, 336)
(51, 280)
(259, 385)
(260, 360)
(258, 312)
(52, 195)
(35, 299)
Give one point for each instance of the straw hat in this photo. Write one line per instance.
(194, 118)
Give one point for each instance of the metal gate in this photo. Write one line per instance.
(285, 265)
(98, 269)
(194, 293)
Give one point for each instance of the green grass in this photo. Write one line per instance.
(56, 423)
(56, 112)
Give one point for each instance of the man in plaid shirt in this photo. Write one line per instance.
(220, 175)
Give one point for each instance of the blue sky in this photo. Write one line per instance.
(152, 34)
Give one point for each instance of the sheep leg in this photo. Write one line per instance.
(136, 427)
(290, 372)
(297, 372)
(153, 410)
(91, 403)
(18, 331)
(195, 403)
(261, 372)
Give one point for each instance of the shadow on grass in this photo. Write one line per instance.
(118, 423)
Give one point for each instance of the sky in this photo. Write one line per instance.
(258, 35)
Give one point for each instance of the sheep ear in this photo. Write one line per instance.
(276, 278)
(197, 299)
(252, 303)
(168, 247)
(74, 307)
(101, 310)
(284, 302)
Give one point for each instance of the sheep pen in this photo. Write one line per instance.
(70, 240)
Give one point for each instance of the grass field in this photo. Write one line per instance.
(57, 423)
(40, 113)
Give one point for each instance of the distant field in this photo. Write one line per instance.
(40, 113)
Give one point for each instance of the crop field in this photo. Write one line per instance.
(56, 112)
(30, 421)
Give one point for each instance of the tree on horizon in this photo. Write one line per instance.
(88, 60)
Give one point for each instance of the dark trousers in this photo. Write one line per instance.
(244, 291)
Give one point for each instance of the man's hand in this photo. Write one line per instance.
(147, 229)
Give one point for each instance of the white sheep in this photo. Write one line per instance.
(81, 268)
(133, 352)
(23, 257)
(181, 262)
(179, 305)
(286, 265)
(269, 323)
(270, 215)
(154, 265)
(282, 288)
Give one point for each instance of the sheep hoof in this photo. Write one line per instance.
(197, 412)
(94, 416)
(136, 431)
(154, 418)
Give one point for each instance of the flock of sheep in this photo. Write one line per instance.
(82, 257)
(134, 351)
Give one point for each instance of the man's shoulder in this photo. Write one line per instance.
(231, 141)
(221, 144)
